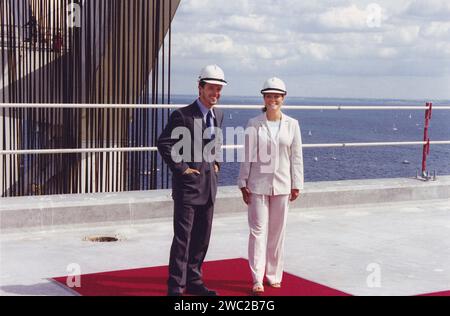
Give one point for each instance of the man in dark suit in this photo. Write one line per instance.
(194, 180)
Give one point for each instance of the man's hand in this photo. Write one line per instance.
(294, 195)
(246, 194)
(191, 171)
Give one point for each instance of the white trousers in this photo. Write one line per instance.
(267, 217)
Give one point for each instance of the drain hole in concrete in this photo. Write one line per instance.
(101, 239)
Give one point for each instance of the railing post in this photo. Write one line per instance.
(426, 138)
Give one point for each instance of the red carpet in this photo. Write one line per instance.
(438, 294)
(228, 277)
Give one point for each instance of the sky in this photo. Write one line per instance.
(394, 49)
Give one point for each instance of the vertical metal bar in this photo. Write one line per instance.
(107, 95)
(4, 170)
(146, 86)
(137, 115)
(169, 84)
(3, 98)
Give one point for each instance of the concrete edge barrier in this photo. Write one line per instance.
(45, 213)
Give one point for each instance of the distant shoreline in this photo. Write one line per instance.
(327, 100)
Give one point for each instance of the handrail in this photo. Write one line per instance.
(225, 147)
(225, 107)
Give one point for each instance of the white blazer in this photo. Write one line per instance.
(272, 166)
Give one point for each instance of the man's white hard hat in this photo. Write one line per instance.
(274, 85)
(212, 74)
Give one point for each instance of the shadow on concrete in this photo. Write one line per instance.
(48, 288)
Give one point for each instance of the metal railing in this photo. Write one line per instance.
(225, 147)
(223, 107)
(426, 143)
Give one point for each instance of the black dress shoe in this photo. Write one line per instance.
(200, 290)
(174, 293)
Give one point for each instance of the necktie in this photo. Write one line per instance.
(210, 124)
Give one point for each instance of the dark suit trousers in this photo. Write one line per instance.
(192, 228)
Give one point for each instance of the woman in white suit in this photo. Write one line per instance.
(270, 177)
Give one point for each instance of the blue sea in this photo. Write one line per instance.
(320, 127)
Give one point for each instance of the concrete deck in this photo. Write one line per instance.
(331, 245)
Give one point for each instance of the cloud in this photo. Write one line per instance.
(251, 23)
(402, 35)
(316, 51)
(338, 38)
(436, 30)
(350, 18)
(430, 8)
(201, 44)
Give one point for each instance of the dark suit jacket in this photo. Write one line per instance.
(191, 189)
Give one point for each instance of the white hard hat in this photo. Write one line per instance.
(212, 74)
(274, 85)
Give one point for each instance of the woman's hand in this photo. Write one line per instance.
(294, 195)
(246, 194)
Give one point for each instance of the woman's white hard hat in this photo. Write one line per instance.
(212, 74)
(274, 85)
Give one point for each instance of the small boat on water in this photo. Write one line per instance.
(406, 162)
(333, 156)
